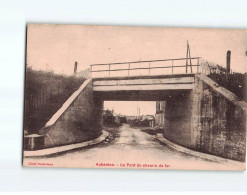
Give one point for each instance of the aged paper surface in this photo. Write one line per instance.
(135, 97)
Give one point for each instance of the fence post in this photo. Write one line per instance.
(228, 64)
(75, 68)
(187, 57)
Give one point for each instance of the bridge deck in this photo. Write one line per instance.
(161, 82)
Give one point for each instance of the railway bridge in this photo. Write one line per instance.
(195, 105)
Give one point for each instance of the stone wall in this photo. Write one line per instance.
(78, 121)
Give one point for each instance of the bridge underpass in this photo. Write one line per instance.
(176, 90)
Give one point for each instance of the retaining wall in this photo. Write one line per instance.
(208, 119)
(79, 119)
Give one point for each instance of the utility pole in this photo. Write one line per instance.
(138, 112)
(75, 68)
(188, 56)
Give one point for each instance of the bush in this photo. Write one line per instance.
(236, 81)
(108, 118)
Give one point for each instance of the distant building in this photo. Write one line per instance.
(160, 114)
(151, 122)
(149, 118)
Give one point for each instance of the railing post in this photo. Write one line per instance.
(109, 69)
(191, 65)
(129, 69)
(187, 56)
(197, 65)
(149, 67)
(172, 66)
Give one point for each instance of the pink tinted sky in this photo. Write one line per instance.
(130, 107)
(57, 47)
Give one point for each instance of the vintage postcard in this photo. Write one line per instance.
(135, 97)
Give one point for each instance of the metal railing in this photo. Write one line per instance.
(128, 66)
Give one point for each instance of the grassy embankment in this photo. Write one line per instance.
(236, 81)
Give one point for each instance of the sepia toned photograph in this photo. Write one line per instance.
(135, 97)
